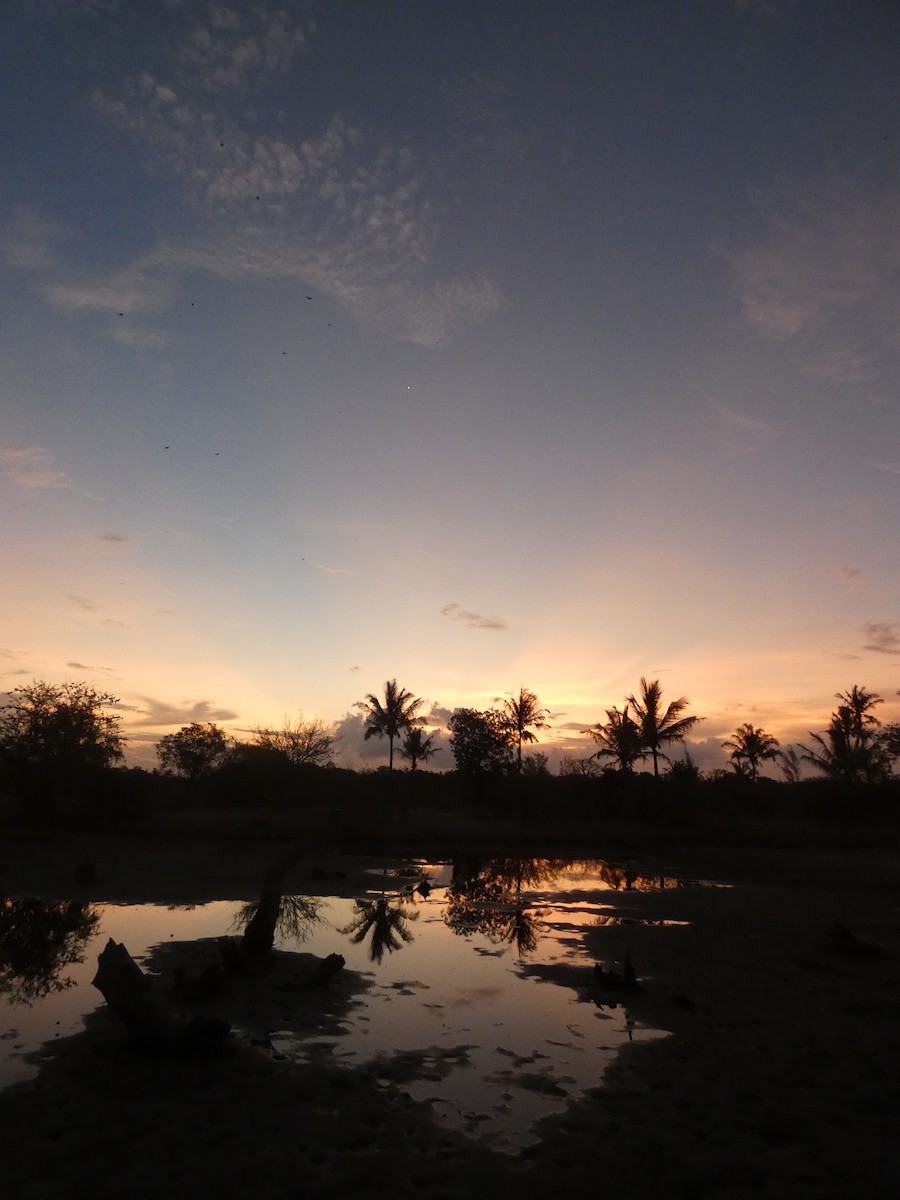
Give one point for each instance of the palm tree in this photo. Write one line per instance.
(395, 715)
(619, 739)
(660, 728)
(749, 747)
(517, 714)
(850, 748)
(416, 747)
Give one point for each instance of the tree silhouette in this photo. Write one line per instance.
(301, 741)
(418, 747)
(481, 742)
(851, 749)
(61, 725)
(389, 718)
(194, 751)
(619, 739)
(519, 713)
(658, 727)
(749, 748)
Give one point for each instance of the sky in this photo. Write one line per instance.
(476, 345)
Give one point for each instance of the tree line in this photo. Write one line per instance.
(58, 730)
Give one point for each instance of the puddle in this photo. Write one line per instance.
(479, 1000)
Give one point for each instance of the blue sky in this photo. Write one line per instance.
(476, 345)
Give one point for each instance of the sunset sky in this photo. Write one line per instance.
(477, 344)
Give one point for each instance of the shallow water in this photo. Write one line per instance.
(452, 1015)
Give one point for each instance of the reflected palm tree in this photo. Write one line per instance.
(387, 925)
(38, 940)
(296, 917)
(487, 899)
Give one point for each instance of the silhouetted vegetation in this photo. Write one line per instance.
(482, 742)
(749, 748)
(271, 785)
(302, 742)
(417, 746)
(519, 714)
(391, 716)
(659, 727)
(193, 752)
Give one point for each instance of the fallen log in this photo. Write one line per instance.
(133, 997)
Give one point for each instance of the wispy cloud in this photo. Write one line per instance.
(826, 277)
(330, 568)
(883, 636)
(888, 468)
(850, 574)
(473, 620)
(31, 467)
(339, 210)
(82, 602)
(159, 712)
(737, 432)
(29, 239)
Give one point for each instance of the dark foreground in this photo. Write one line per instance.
(779, 1079)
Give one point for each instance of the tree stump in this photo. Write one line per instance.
(133, 997)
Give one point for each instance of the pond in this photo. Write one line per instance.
(462, 964)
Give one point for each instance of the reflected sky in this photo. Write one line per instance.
(451, 1015)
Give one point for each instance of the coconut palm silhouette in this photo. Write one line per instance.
(660, 727)
(390, 717)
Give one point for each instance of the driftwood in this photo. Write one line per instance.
(134, 999)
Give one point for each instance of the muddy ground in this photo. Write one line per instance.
(780, 1077)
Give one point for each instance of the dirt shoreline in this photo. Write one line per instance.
(779, 1078)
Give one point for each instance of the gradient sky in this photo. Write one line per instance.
(476, 344)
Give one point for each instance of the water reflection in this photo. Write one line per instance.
(297, 916)
(38, 940)
(387, 924)
(486, 898)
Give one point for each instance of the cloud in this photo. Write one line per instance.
(850, 574)
(338, 209)
(77, 666)
(27, 241)
(330, 568)
(159, 712)
(883, 636)
(738, 432)
(144, 286)
(82, 602)
(826, 277)
(473, 620)
(889, 468)
(31, 467)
